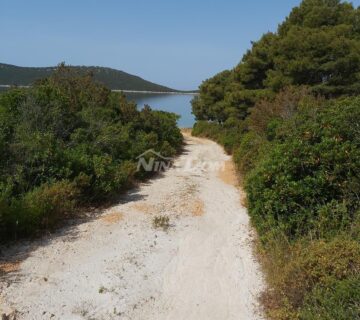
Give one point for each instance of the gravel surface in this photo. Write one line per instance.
(119, 266)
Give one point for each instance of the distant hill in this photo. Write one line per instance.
(113, 79)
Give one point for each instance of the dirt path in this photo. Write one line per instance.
(119, 267)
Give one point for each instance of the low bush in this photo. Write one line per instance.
(228, 135)
(68, 141)
(300, 157)
(40, 208)
(247, 153)
(309, 180)
(295, 270)
(338, 300)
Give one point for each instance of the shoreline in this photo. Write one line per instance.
(156, 92)
(118, 90)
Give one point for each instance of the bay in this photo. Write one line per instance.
(176, 103)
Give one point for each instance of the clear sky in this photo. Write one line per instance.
(175, 43)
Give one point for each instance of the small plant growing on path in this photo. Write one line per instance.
(161, 222)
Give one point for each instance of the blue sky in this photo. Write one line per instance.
(175, 43)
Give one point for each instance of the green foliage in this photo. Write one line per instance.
(339, 300)
(318, 46)
(306, 270)
(68, 141)
(318, 264)
(300, 158)
(309, 180)
(247, 153)
(210, 104)
(227, 135)
(299, 154)
(37, 209)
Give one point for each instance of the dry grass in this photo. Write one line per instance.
(228, 174)
(113, 217)
(243, 198)
(143, 207)
(186, 132)
(197, 208)
(294, 270)
(7, 267)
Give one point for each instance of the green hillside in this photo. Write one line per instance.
(113, 79)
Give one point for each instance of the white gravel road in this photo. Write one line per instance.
(118, 266)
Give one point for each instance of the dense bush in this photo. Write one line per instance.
(309, 181)
(295, 271)
(37, 209)
(248, 151)
(317, 264)
(302, 177)
(227, 135)
(299, 154)
(339, 300)
(69, 141)
(318, 46)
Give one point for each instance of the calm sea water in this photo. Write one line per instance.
(177, 103)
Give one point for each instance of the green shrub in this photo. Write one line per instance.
(312, 171)
(318, 264)
(300, 155)
(248, 152)
(295, 270)
(38, 209)
(69, 141)
(229, 136)
(207, 130)
(269, 113)
(339, 300)
(303, 184)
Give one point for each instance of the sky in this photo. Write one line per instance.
(175, 43)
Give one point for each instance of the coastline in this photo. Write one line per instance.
(119, 90)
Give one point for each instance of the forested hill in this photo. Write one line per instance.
(113, 79)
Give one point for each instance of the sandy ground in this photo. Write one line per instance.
(118, 266)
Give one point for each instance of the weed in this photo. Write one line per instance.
(162, 222)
